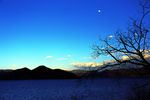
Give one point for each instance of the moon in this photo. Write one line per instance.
(99, 11)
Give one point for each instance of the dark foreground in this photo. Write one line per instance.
(76, 89)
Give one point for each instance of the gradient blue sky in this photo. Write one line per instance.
(30, 30)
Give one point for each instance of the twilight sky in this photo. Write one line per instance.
(57, 33)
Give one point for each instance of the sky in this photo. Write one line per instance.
(56, 33)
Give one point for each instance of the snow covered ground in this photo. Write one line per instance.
(91, 89)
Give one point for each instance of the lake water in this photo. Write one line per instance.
(85, 89)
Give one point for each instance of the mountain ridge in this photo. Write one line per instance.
(40, 72)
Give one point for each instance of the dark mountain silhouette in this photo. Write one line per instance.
(81, 73)
(41, 69)
(41, 72)
(59, 73)
(6, 70)
(23, 73)
(130, 72)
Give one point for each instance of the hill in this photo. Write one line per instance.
(41, 72)
(130, 72)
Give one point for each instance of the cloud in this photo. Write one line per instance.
(89, 57)
(48, 57)
(110, 36)
(94, 64)
(146, 56)
(89, 64)
(108, 61)
(14, 65)
(124, 57)
(145, 51)
(62, 59)
(67, 69)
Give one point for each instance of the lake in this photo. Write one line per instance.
(77, 89)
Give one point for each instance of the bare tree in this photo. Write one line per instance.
(131, 46)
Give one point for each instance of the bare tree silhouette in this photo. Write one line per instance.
(131, 46)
